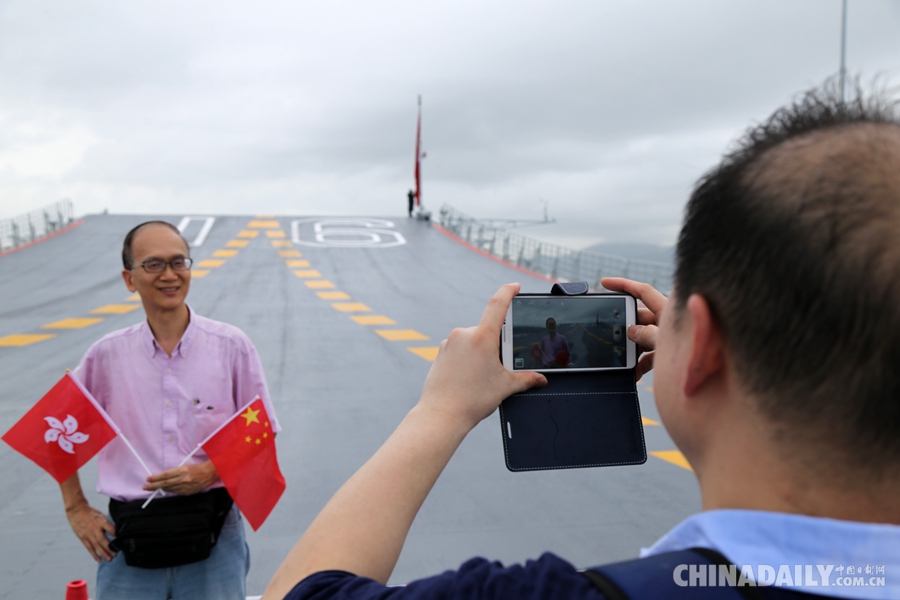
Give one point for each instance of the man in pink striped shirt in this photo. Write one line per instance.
(167, 382)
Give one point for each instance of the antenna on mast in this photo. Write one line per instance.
(843, 76)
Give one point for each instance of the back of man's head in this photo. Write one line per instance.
(794, 240)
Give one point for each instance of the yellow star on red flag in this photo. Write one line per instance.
(250, 415)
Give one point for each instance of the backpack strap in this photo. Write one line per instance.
(654, 577)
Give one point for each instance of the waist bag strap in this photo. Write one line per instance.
(655, 577)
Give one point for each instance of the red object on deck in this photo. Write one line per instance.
(77, 590)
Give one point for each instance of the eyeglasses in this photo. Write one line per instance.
(154, 265)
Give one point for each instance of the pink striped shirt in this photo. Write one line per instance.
(166, 406)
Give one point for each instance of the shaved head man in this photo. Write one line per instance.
(777, 374)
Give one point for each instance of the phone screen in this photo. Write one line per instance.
(568, 332)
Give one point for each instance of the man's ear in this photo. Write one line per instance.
(708, 346)
(128, 276)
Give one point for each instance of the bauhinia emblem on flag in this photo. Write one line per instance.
(243, 452)
(65, 434)
(78, 429)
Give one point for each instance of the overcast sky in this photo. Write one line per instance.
(606, 110)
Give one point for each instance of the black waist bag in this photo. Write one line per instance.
(172, 531)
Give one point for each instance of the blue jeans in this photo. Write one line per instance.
(222, 575)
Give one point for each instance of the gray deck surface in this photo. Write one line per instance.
(339, 390)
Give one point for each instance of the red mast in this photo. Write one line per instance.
(418, 156)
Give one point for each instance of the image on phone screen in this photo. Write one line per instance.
(586, 332)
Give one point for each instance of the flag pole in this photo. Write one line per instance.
(418, 172)
(107, 418)
(136, 455)
(181, 464)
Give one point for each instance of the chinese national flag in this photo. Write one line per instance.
(243, 451)
(64, 430)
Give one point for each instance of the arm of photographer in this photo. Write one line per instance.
(363, 527)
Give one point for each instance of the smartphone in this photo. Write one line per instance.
(569, 333)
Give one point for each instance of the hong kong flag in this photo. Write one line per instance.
(64, 430)
(243, 452)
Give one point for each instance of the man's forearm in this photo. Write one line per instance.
(73, 495)
(363, 527)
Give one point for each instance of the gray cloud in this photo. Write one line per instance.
(609, 111)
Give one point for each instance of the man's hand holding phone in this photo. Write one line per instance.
(559, 333)
(467, 380)
(644, 333)
(363, 527)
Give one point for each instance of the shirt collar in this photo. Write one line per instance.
(754, 538)
(184, 344)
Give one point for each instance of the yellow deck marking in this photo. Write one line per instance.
(115, 309)
(225, 253)
(332, 295)
(247, 234)
(199, 273)
(401, 335)
(281, 243)
(276, 234)
(428, 353)
(310, 273)
(265, 216)
(263, 225)
(373, 319)
(645, 421)
(297, 263)
(24, 339)
(350, 307)
(238, 243)
(289, 253)
(133, 298)
(210, 262)
(319, 284)
(673, 456)
(72, 323)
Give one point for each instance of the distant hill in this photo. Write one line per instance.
(635, 251)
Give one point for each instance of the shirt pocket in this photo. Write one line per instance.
(208, 412)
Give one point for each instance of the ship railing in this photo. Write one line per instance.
(551, 260)
(32, 226)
